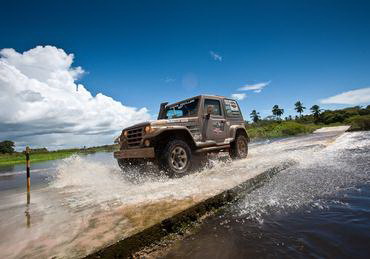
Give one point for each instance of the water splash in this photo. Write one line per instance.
(318, 173)
(90, 203)
(85, 183)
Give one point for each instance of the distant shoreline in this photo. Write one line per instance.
(256, 133)
(40, 156)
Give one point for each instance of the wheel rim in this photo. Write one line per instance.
(179, 158)
(242, 147)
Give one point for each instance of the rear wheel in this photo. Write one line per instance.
(239, 148)
(176, 158)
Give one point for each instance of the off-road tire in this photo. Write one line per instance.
(176, 158)
(239, 147)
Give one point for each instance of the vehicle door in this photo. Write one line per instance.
(215, 124)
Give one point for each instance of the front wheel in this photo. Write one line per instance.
(239, 148)
(176, 158)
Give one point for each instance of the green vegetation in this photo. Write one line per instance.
(299, 108)
(274, 129)
(315, 109)
(41, 154)
(359, 122)
(277, 112)
(356, 116)
(274, 126)
(255, 116)
(6, 147)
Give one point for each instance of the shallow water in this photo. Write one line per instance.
(319, 207)
(84, 203)
(13, 177)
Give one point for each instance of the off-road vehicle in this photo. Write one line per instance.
(184, 131)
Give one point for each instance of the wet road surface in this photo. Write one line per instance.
(82, 204)
(320, 207)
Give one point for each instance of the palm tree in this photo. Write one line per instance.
(276, 111)
(315, 109)
(255, 116)
(299, 108)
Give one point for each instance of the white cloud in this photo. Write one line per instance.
(359, 96)
(215, 56)
(169, 80)
(239, 97)
(257, 88)
(42, 105)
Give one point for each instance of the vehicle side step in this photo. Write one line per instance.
(206, 144)
(207, 149)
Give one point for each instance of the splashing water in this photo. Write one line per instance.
(90, 204)
(87, 183)
(318, 174)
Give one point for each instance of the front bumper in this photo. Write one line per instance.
(147, 152)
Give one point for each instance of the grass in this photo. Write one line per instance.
(276, 129)
(19, 157)
(359, 122)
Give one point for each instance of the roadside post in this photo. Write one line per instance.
(28, 165)
(28, 168)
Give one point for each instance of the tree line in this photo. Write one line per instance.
(6, 147)
(277, 112)
(318, 115)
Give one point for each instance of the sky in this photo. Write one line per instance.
(74, 73)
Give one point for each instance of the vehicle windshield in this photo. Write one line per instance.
(183, 109)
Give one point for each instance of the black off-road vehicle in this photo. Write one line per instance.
(184, 131)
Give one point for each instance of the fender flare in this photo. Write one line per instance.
(174, 129)
(235, 128)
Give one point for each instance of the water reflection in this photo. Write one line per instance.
(28, 214)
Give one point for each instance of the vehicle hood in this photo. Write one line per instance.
(163, 122)
(138, 125)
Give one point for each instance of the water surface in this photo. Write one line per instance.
(83, 203)
(320, 207)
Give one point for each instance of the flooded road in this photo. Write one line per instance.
(320, 207)
(84, 203)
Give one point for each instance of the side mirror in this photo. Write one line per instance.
(209, 111)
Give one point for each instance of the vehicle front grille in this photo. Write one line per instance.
(134, 137)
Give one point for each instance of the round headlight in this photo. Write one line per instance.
(148, 129)
(125, 133)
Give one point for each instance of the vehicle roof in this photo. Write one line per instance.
(198, 96)
(212, 95)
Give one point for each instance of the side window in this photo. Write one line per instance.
(216, 106)
(232, 108)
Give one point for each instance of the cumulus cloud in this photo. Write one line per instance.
(359, 96)
(215, 56)
(239, 97)
(257, 88)
(43, 105)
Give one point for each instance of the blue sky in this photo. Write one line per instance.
(144, 52)
(308, 49)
